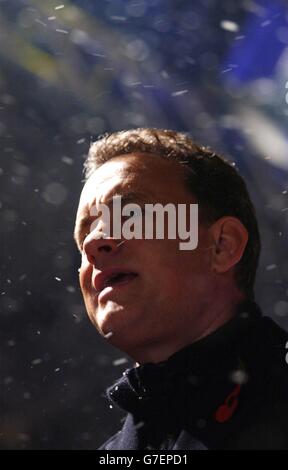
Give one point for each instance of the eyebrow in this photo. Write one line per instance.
(126, 198)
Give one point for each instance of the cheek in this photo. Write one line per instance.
(190, 272)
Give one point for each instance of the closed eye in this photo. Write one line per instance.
(137, 212)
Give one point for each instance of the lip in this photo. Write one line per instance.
(106, 293)
(99, 279)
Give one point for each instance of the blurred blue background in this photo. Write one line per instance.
(70, 71)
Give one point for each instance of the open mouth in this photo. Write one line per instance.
(112, 278)
(119, 278)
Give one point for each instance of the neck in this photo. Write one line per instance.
(213, 319)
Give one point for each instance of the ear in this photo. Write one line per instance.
(229, 240)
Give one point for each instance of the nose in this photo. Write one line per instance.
(94, 248)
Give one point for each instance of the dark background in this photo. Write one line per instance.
(215, 69)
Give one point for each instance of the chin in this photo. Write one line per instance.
(109, 320)
(120, 322)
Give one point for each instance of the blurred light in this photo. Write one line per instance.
(265, 136)
(21, 170)
(55, 193)
(264, 91)
(137, 50)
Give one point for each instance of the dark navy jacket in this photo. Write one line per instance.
(227, 391)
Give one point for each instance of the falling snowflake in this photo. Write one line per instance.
(179, 93)
(270, 267)
(121, 360)
(36, 362)
(229, 26)
(40, 22)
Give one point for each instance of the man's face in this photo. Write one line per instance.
(165, 289)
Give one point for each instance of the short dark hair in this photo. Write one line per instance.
(213, 180)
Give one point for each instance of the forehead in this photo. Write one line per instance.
(140, 172)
